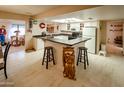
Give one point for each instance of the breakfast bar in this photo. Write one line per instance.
(59, 42)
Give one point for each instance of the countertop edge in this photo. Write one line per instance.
(61, 42)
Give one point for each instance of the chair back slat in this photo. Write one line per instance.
(6, 49)
(6, 53)
(5, 59)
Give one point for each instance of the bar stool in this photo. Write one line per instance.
(48, 56)
(83, 56)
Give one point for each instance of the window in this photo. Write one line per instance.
(16, 27)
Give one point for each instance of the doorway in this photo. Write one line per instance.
(114, 42)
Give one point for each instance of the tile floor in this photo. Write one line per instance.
(25, 70)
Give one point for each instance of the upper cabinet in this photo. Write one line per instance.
(70, 26)
(62, 27)
(52, 28)
(75, 26)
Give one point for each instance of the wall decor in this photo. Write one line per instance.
(114, 32)
(115, 26)
(42, 25)
(34, 21)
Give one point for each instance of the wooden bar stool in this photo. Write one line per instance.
(83, 57)
(48, 56)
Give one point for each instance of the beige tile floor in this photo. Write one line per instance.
(25, 70)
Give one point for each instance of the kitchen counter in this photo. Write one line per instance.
(66, 41)
(37, 36)
(58, 42)
(61, 41)
(53, 34)
(63, 38)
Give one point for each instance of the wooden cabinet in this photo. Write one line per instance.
(50, 28)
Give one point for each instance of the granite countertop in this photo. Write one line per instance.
(62, 38)
(54, 34)
(38, 36)
(66, 42)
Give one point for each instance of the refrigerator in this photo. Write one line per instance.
(90, 32)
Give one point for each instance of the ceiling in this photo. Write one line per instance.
(107, 12)
(26, 9)
(8, 21)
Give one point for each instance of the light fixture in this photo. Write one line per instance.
(90, 18)
(35, 21)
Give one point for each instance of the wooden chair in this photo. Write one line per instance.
(22, 39)
(3, 65)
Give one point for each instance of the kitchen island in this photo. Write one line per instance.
(58, 42)
(65, 41)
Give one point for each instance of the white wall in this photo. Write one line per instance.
(36, 30)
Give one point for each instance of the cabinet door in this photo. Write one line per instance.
(38, 44)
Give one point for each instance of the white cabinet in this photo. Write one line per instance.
(62, 27)
(75, 26)
(38, 44)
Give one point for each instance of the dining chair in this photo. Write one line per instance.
(3, 64)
